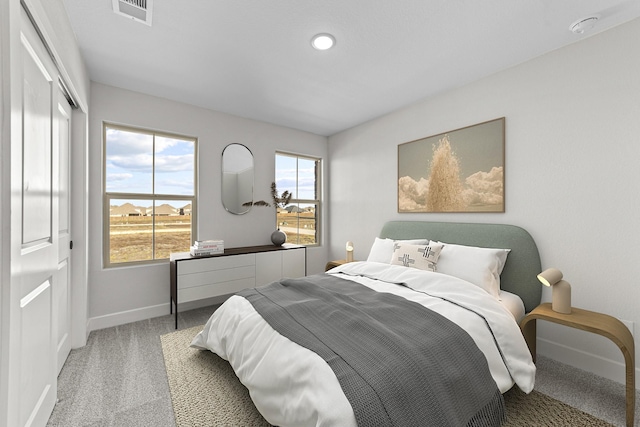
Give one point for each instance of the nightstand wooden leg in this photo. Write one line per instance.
(629, 362)
(528, 327)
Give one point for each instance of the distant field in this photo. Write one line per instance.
(288, 222)
(130, 237)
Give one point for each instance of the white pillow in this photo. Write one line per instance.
(480, 266)
(422, 257)
(382, 249)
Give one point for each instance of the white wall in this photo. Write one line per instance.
(119, 295)
(572, 176)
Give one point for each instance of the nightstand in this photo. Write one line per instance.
(334, 263)
(596, 323)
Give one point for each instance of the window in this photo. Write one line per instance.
(149, 194)
(300, 218)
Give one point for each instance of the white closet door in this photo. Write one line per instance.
(34, 234)
(62, 282)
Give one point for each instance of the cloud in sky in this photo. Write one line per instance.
(291, 171)
(131, 169)
(174, 163)
(123, 143)
(480, 189)
(134, 162)
(114, 177)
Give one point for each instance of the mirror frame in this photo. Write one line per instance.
(233, 203)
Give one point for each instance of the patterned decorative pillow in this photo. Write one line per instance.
(423, 257)
(382, 249)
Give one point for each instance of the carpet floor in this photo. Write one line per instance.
(201, 379)
(119, 380)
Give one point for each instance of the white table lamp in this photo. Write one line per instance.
(560, 290)
(349, 248)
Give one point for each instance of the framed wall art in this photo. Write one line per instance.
(457, 171)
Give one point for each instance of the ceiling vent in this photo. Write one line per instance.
(138, 10)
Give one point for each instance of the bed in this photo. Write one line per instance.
(395, 342)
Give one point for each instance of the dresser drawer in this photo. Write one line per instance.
(215, 263)
(200, 292)
(215, 277)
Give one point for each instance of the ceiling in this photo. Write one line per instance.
(253, 58)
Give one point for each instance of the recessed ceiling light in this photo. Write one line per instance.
(584, 24)
(323, 41)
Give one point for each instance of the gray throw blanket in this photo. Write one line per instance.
(398, 363)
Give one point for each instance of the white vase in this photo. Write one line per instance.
(278, 237)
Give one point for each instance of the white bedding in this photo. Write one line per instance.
(292, 386)
(513, 303)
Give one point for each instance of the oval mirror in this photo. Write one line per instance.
(237, 178)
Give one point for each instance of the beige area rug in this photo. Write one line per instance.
(206, 392)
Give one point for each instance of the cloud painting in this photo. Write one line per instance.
(457, 171)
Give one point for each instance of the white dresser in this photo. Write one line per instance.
(196, 278)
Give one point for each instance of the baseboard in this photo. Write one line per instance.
(123, 317)
(607, 368)
(135, 315)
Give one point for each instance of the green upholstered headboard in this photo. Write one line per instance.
(523, 263)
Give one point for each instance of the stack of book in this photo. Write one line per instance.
(207, 247)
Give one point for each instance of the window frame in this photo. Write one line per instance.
(317, 202)
(153, 198)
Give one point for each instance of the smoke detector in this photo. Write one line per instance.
(584, 24)
(138, 10)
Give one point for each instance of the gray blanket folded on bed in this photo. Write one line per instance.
(398, 363)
